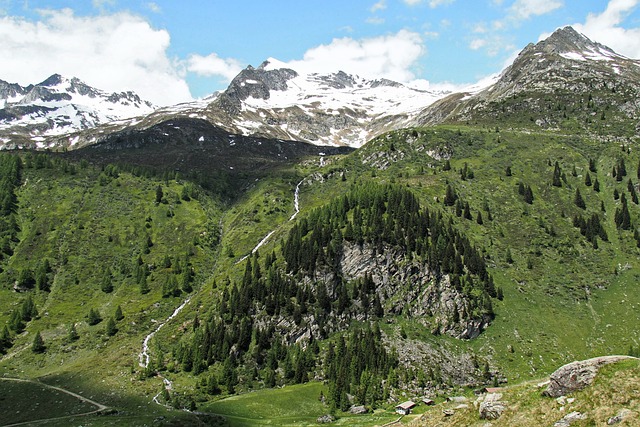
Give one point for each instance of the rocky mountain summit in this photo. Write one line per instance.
(276, 101)
(32, 114)
(566, 80)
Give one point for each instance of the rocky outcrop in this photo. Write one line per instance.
(569, 419)
(409, 286)
(491, 408)
(577, 375)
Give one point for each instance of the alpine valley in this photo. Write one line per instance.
(321, 248)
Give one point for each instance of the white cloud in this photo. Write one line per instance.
(153, 7)
(381, 5)
(112, 52)
(477, 44)
(525, 9)
(392, 56)
(432, 3)
(436, 3)
(375, 20)
(213, 65)
(606, 28)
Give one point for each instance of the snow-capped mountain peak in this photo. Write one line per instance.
(330, 109)
(60, 105)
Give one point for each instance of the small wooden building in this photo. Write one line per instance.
(428, 402)
(405, 407)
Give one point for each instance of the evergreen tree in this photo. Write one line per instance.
(105, 284)
(507, 171)
(556, 182)
(467, 211)
(479, 218)
(5, 339)
(72, 334)
(447, 165)
(118, 314)
(592, 166)
(596, 186)
(450, 196)
(38, 344)
(111, 329)
(159, 194)
(587, 180)
(578, 200)
(528, 195)
(42, 282)
(94, 317)
(622, 216)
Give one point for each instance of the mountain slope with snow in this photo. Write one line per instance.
(57, 106)
(326, 109)
(566, 81)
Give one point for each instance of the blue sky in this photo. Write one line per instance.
(171, 51)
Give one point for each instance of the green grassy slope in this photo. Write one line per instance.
(564, 299)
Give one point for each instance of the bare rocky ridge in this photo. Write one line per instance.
(577, 375)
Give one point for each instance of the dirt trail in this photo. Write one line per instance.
(99, 406)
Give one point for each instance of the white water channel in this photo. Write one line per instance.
(144, 355)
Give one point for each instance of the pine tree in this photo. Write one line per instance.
(596, 186)
(105, 284)
(507, 171)
(528, 195)
(578, 200)
(111, 329)
(5, 339)
(72, 334)
(450, 196)
(587, 180)
(479, 218)
(38, 344)
(592, 166)
(94, 317)
(118, 314)
(556, 182)
(159, 194)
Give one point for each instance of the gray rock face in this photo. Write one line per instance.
(428, 296)
(358, 410)
(577, 375)
(491, 410)
(569, 419)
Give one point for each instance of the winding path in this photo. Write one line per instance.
(99, 406)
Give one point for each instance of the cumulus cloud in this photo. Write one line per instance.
(607, 29)
(113, 52)
(525, 9)
(213, 65)
(381, 5)
(391, 56)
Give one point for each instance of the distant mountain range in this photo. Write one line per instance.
(59, 106)
(339, 109)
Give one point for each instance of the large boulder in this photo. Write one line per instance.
(577, 375)
(491, 410)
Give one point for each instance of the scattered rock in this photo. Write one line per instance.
(448, 412)
(491, 410)
(461, 406)
(358, 410)
(568, 419)
(577, 375)
(457, 399)
(618, 418)
(326, 419)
